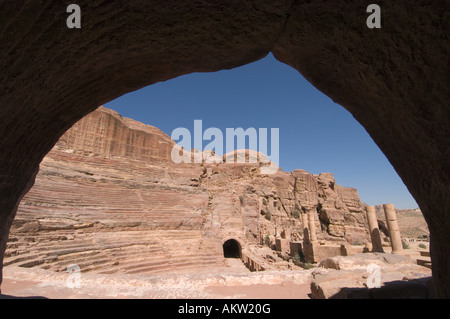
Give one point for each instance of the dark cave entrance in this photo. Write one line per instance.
(232, 249)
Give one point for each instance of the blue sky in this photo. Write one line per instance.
(316, 134)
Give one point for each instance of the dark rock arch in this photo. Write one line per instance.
(394, 80)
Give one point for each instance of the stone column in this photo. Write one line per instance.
(305, 224)
(312, 225)
(374, 230)
(394, 230)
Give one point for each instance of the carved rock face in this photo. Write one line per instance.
(100, 191)
(393, 80)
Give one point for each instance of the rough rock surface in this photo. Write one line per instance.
(109, 198)
(393, 80)
(107, 134)
(354, 278)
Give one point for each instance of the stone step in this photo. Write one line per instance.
(37, 262)
(87, 257)
(108, 242)
(23, 258)
(123, 258)
(169, 266)
(425, 263)
(131, 264)
(89, 265)
(66, 253)
(424, 260)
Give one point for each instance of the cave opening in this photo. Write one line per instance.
(232, 249)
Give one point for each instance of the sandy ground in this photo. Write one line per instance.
(231, 282)
(39, 283)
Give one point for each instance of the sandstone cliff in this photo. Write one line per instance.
(106, 133)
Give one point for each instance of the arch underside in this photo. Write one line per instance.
(394, 80)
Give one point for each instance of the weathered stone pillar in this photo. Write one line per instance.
(305, 225)
(312, 225)
(374, 230)
(394, 230)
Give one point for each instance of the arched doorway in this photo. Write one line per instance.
(231, 249)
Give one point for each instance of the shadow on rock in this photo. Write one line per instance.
(15, 297)
(412, 289)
